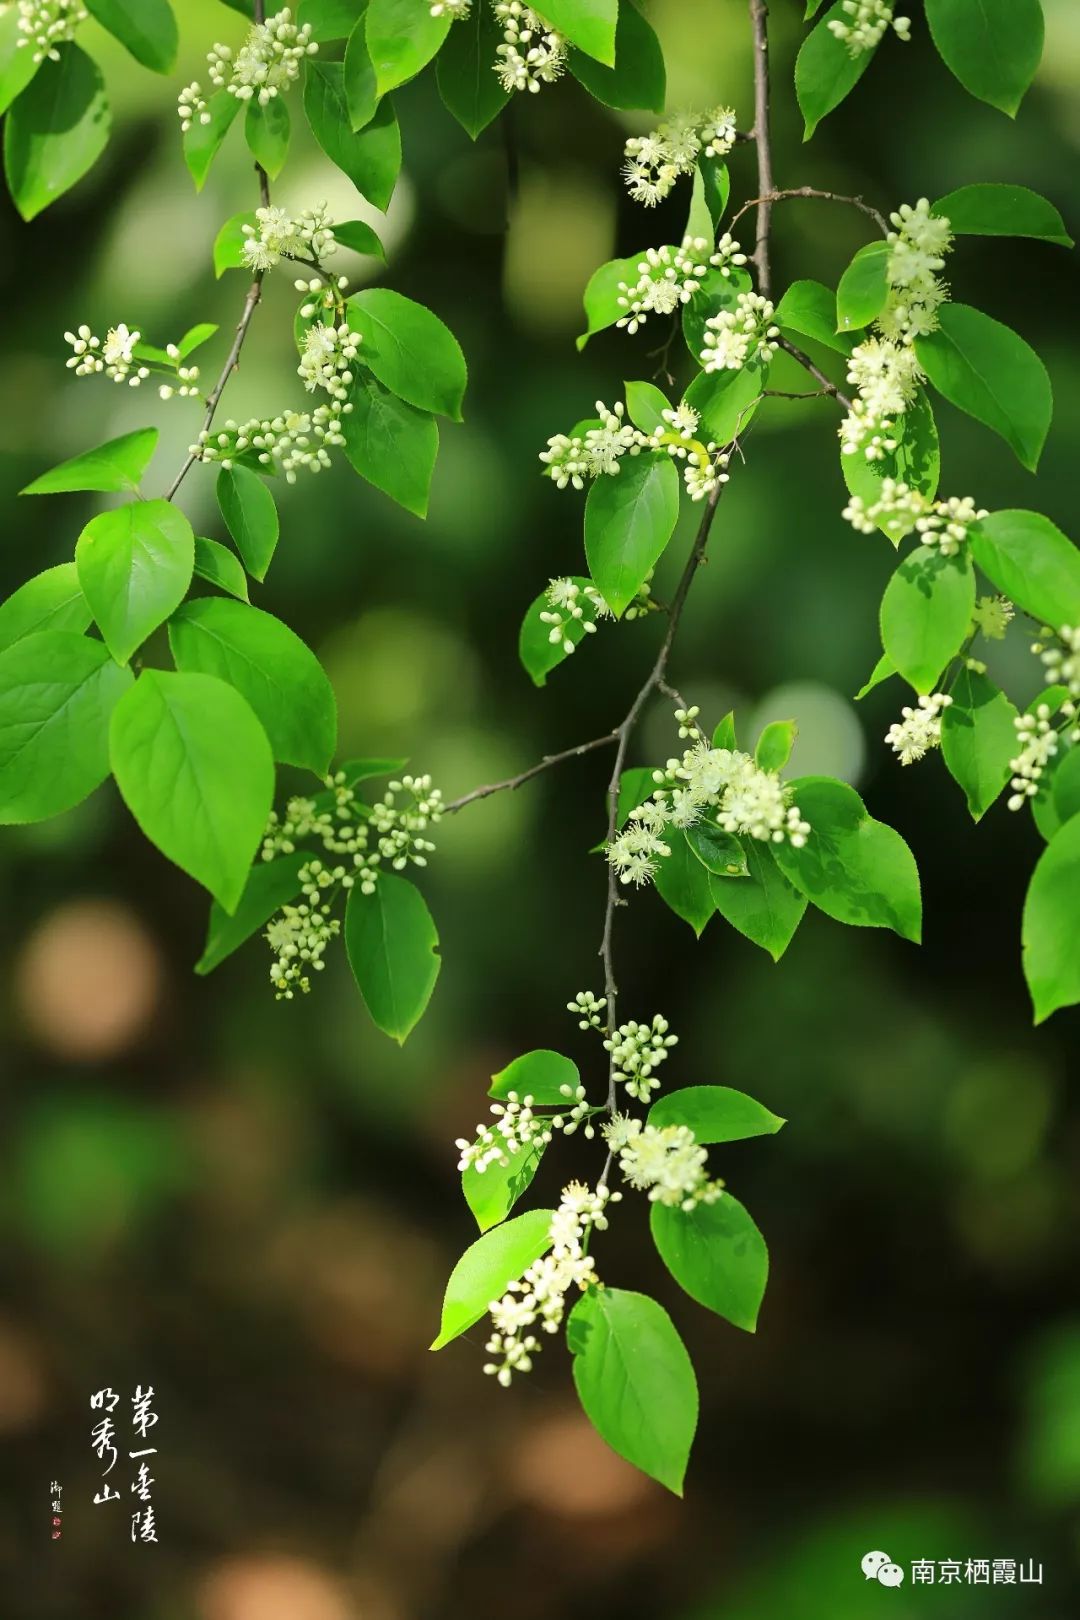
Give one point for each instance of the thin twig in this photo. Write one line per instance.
(511, 783)
(251, 303)
(827, 385)
(810, 191)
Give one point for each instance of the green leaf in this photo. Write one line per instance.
(393, 949)
(601, 298)
(992, 46)
(17, 65)
(267, 130)
(1031, 562)
(229, 243)
(50, 601)
(716, 1253)
(486, 1269)
(194, 768)
(635, 786)
(719, 852)
(726, 400)
(997, 210)
(410, 350)
(645, 405)
(712, 183)
(764, 906)
(359, 238)
(270, 885)
(775, 744)
(629, 519)
(852, 867)
(812, 6)
(471, 92)
(588, 24)
(926, 614)
(57, 691)
(635, 1381)
(1066, 785)
(270, 666)
(135, 565)
(684, 883)
(56, 130)
(216, 563)
(146, 28)
(883, 670)
(809, 310)
(539, 1075)
(391, 444)
(991, 373)
(371, 157)
(202, 142)
(402, 38)
(492, 1193)
(358, 79)
(329, 19)
(250, 516)
(638, 78)
(1051, 923)
(864, 287)
(978, 739)
(916, 461)
(195, 337)
(826, 71)
(538, 653)
(715, 1114)
(724, 734)
(115, 466)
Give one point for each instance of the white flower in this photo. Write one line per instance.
(191, 107)
(919, 729)
(456, 10)
(1039, 744)
(606, 445)
(295, 439)
(637, 1050)
(268, 61)
(532, 54)
(993, 616)
(43, 25)
(869, 20)
(538, 1300)
(735, 336)
(945, 527)
(327, 358)
(666, 1161)
(588, 1009)
(299, 934)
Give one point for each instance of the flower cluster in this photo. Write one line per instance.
(538, 1300)
(267, 62)
(43, 25)
(276, 233)
(370, 834)
(299, 934)
(654, 162)
(599, 450)
(670, 276)
(292, 440)
(637, 1050)
(531, 53)
(919, 728)
(866, 23)
(569, 604)
(884, 368)
(725, 785)
(327, 357)
(734, 337)
(517, 1128)
(118, 357)
(666, 1161)
(992, 617)
(1061, 660)
(942, 525)
(588, 1009)
(1038, 746)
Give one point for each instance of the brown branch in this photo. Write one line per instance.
(810, 191)
(827, 385)
(251, 303)
(511, 783)
(759, 20)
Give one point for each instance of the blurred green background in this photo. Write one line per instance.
(254, 1206)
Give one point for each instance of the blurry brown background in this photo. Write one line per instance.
(254, 1206)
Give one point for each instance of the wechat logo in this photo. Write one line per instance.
(878, 1566)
